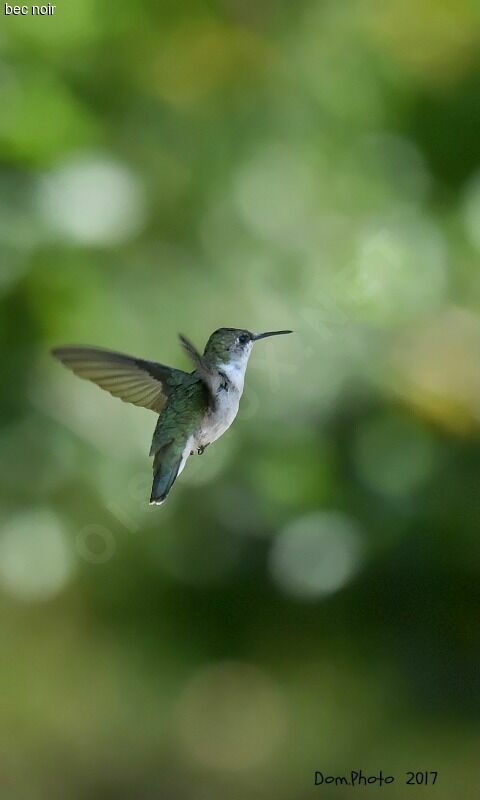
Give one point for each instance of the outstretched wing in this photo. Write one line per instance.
(133, 380)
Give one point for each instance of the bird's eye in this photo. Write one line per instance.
(243, 338)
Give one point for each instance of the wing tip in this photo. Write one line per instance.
(60, 353)
(71, 352)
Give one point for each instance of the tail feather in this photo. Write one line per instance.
(165, 470)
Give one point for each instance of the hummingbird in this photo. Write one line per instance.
(195, 408)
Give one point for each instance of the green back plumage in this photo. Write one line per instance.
(182, 414)
(178, 421)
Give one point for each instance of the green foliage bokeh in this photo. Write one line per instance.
(307, 599)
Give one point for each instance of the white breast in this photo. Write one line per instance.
(218, 420)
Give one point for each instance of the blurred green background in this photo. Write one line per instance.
(308, 598)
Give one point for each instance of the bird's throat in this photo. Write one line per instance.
(234, 373)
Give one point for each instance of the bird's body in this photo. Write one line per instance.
(194, 408)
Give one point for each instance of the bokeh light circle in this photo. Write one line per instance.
(96, 544)
(316, 555)
(92, 200)
(36, 561)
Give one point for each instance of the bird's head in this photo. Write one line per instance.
(234, 345)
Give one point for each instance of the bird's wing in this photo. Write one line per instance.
(133, 380)
(193, 353)
(203, 370)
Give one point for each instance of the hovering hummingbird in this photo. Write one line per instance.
(194, 408)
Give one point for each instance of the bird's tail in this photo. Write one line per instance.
(166, 465)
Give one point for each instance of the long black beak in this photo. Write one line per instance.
(258, 336)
